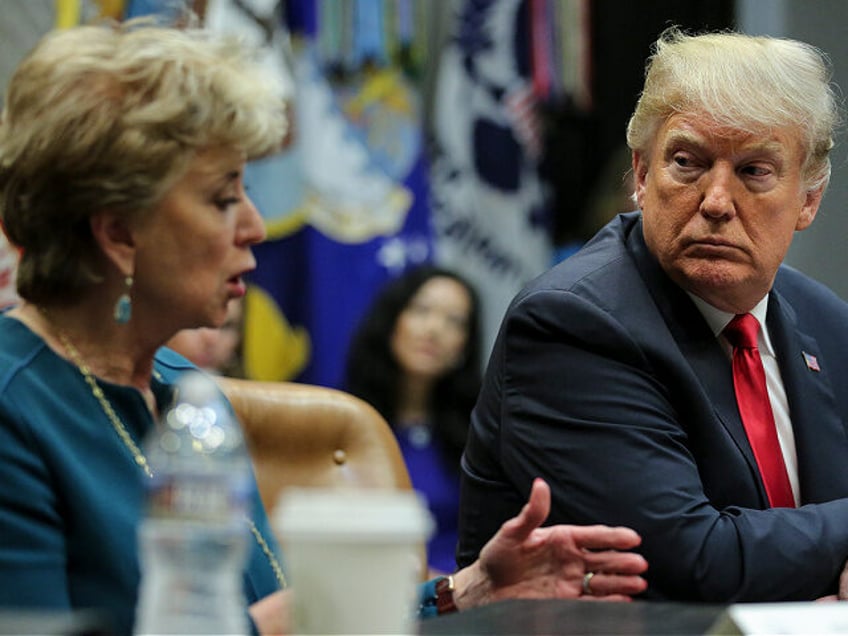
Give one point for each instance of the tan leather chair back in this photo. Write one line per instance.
(312, 436)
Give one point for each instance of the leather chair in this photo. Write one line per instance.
(312, 436)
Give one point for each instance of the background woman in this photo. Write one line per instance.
(217, 351)
(416, 358)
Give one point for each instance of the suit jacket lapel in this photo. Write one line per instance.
(820, 438)
(699, 346)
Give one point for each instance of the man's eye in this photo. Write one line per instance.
(757, 171)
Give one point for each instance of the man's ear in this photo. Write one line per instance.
(640, 173)
(112, 232)
(809, 208)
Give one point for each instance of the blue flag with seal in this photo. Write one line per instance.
(491, 205)
(345, 204)
(360, 214)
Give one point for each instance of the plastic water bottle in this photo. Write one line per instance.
(194, 540)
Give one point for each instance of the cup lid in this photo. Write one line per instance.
(376, 515)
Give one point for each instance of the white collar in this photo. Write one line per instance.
(718, 319)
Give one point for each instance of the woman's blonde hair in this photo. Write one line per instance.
(741, 82)
(107, 117)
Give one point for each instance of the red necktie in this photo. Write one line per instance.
(749, 380)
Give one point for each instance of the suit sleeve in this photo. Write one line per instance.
(572, 397)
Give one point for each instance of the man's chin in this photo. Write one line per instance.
(724, 289)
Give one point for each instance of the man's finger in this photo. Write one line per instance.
(615, 562)
(609, 584)
(605, 537)
(534, 512)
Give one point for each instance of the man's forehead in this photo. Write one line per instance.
(681, 130)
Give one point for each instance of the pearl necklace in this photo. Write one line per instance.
(139, 457)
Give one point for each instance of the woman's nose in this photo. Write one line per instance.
(251, 228)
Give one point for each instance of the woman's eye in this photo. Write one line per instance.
(419, 309)
(458, 322)
(224, 203)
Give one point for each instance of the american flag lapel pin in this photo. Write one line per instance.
(812, 362)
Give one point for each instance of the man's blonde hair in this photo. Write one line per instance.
(741, 82)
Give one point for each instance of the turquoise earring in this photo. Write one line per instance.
(123, 308)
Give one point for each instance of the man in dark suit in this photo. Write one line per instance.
(612, 376)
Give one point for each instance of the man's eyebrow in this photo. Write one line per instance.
(762, 146)
(769, 146)
(683, 136)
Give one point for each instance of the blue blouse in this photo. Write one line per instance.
(71, 495)
(433, 477)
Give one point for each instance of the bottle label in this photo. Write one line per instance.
(198, 498)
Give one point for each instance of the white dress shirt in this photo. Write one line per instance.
(718, 320)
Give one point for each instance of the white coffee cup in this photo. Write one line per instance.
(353, 558)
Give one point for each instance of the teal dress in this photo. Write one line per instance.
(71, 495)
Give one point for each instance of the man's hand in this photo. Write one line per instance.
(525, 561)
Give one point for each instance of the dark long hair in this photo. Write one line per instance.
(372, 372)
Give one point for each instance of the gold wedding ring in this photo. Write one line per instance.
(587, 579)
